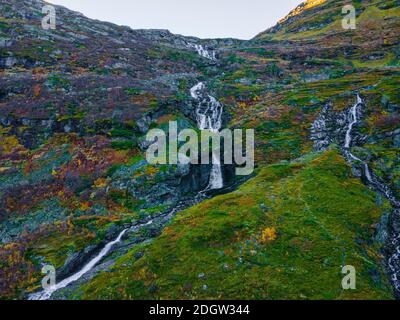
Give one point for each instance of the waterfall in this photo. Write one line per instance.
(202, 51)
(373, 180)
(161, 219)
(47, 293)
(209, 117)
(394, 260)
(353, 121)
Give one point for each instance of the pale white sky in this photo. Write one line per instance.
(241, 19)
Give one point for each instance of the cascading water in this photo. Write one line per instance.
(372, 179)
(47, 293)
(353, 120)
(161, 219)
(394, 259)
(209, 117)
(348, 140)
(202, 51)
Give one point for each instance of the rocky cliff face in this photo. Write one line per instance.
(76, 102)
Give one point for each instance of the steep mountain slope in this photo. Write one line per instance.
(76, 102)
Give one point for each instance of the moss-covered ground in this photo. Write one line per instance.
(286, 234)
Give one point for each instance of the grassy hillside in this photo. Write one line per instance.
(323, 18)
(283, 235)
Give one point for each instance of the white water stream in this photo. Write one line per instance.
(353, 120)
(394, 260)
(203, 52)
(47, 293)
(209, 115)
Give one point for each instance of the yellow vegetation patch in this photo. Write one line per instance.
(268, 235)
(313, 3)
(85, 206)
(8, 144)
(101, 183)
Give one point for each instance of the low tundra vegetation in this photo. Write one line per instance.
(286, 234)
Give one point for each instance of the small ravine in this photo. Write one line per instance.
(394, 259)
(333, 127)
(209, 117)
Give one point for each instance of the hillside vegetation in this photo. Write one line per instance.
(77, 102)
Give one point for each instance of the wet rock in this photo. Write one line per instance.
(76, 260)
(112, 232)
(382, 230)
(385, 101)
(330, 127)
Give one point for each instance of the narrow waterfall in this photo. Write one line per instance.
(372, 179)
(394, 259)
(47, 293)
(202, 51)
(353, 120)
(209, 117)
(348, 140)
(162, 219)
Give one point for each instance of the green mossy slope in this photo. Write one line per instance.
(283, 235)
